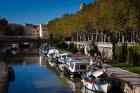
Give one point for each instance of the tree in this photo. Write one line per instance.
(14, 30)
(3, 25)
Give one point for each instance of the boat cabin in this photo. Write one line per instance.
(76, 67)
(65, 57)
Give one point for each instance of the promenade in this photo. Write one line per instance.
(129, 82)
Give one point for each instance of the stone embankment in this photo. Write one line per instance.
(3, 77)
(128, 82)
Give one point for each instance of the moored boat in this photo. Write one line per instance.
(75, 67)
(44, 49)
(97, 81)
(63, 58)
(52, 56)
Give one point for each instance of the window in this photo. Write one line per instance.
(82, 66)
(68, 55)
(63, 56)
(76, 66)
(72, 65)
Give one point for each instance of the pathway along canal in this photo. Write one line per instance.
(34, 75)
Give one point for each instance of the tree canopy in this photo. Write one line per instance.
(111, 15)
(10, 29)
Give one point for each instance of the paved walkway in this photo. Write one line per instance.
(131, 81)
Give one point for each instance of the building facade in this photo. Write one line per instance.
(37, 30)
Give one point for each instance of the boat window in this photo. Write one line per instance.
(82, 66)
(68, 55)
(63, 56)
(76, 66)
(72, 65)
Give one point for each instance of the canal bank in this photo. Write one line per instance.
(123, 80)
(126, 81)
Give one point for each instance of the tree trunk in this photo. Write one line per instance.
(113, 50)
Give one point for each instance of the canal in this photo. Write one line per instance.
(32, 74)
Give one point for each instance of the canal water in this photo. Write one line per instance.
(32, 74)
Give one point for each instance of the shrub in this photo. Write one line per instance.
(136, 56)
(72, 48)
(130, 55)
(82, 51)
(124, 53)
(62, 45)
(94, 50)
(118, 52)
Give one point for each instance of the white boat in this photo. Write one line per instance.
(13, 49)
(85, 90)
(75, 67)
(53, 55)
(52, 62)
(63, 58)
(44, 49)
(96, 81)
(15, 46)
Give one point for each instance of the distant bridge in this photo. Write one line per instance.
(5, 40)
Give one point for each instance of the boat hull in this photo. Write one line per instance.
(52, 62)
(67, 72)
(96, 86)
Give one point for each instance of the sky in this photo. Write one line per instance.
(37, 11)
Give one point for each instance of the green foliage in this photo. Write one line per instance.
(134, 55)
(129, 54)
(62, 45)
(72, 48)
(14, 30)
(10, 29)
(94, 50)
(124, 53)
(54, 41)
(127, 67)
(118, 52)
(112, 15)
(3, 25)
(121, 53)
(82, 51)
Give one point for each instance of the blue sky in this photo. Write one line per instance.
(37, 11)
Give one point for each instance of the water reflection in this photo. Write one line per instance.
(11, 74)
(84, 90)
(33, 76)
(73, 83)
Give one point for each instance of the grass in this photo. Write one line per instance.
(127, 67)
